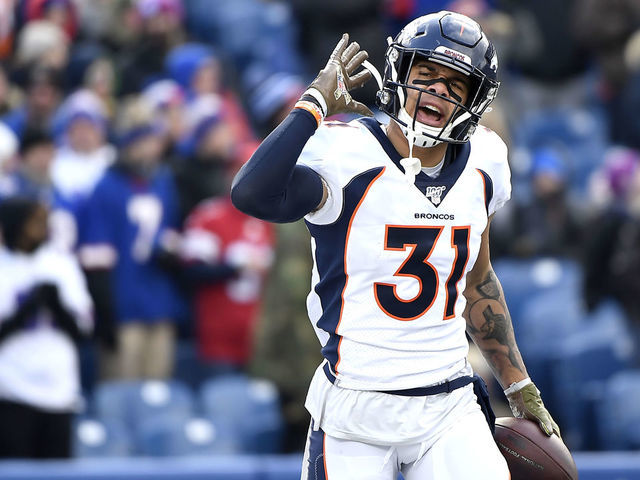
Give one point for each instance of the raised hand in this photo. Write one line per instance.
(337, 79)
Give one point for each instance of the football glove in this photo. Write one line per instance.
(525, 402)
(336, 80)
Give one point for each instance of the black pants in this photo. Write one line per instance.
(27, 432)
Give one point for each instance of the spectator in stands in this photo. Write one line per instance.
(624, 127)
(322, 21)
(6, 30)
(271, 95)
(269, 32)
(209, 148)
(32, 174)
(83, 152)
(612, 256)
(604, 28)
(130, 215)
(162, 29)
(59, 12)
(8, 152)
(41, 43)
(167, 99)
(546, 224)
(100, 78)
(82, 156)
(198, 70)
(228, 255)
(10, 95)
(44, 309)
(547, 66)
(42, 97)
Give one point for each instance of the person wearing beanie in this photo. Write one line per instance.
(197, 68)
(130, 216)
(32, 177)
(208, 149)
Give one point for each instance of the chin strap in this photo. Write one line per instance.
(374, 71)
(411, 164)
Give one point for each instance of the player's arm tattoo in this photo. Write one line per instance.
(489, 325)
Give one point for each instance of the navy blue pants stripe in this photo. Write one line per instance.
(316, 461)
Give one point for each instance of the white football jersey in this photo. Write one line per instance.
(391, 257)
(39, 364)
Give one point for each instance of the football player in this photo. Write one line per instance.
(399, 219)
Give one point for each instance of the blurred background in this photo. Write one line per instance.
(156, 331)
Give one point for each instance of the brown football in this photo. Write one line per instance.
(530, 454)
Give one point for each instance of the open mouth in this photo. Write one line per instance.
(430, 115)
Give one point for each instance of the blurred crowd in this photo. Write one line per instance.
(123, 122)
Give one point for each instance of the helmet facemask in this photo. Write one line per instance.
(463, 118)
(454, 41)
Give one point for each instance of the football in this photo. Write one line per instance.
(530, 454)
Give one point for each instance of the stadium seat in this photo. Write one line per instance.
(134, 401)
(112, 400)
(250, 406)
(162, 398)
(93, 438)
(523, 279)
(618, 413)
(547, 317)
(164, 436)
(579, 134)
(582, 364)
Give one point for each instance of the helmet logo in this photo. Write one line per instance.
(454, 53)
(434, 194)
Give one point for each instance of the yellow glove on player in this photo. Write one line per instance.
(525, 402)
(334, 82)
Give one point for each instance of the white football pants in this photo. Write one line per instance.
(465, 451)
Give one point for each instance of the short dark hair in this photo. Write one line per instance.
(34, 137)
(14, 212)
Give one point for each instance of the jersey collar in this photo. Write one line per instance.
(455, 161)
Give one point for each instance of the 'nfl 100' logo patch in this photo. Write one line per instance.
(434, 194)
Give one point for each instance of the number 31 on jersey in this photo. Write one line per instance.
(421, 241)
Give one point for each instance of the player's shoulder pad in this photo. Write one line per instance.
(488, 148)
(336, 129)
(332, 136)
(489, 154)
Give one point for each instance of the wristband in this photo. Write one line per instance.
(315, 93)
(312, 108)
(514, 387)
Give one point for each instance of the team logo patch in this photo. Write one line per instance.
(342, 89)
(434, 194)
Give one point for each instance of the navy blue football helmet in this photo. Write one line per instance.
(452, 40)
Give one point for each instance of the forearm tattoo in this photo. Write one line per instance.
(489, 323)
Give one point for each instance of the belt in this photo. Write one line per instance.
(445, 387)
